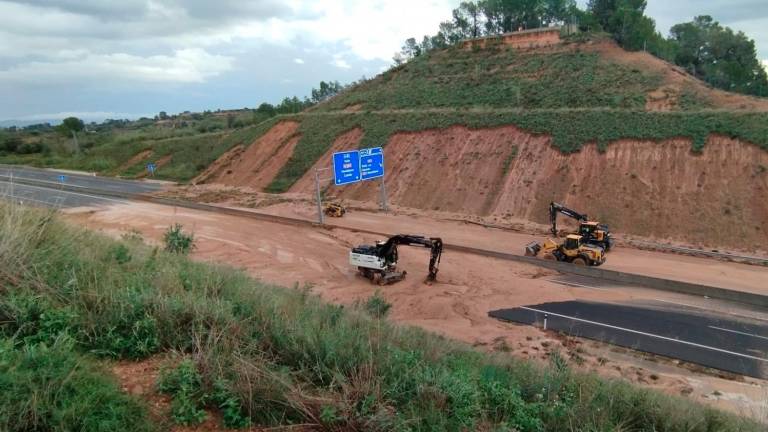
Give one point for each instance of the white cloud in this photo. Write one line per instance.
(339, 62)
(372, 30)
(765, 64)
(107, 49)
(191, 65)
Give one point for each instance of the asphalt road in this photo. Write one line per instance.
(49, 196)
(47, 189)
(692, 334)
(81, 180)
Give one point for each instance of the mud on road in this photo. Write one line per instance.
(455, 306)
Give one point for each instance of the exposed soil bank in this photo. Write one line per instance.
(256, 165)
(662, 190)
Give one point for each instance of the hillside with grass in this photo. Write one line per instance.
(530, 119)
(180, 146)
(249, 354)
(577, 91)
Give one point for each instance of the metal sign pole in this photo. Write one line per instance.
(319, 198)
(383, 195)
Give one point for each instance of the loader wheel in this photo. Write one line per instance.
(580, 261)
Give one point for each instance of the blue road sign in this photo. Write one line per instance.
(151, 168)
(371, 163)
(346, 167)
(62, 178)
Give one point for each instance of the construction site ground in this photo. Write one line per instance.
(468, 285)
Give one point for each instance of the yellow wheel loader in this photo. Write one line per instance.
(572, 250)
(334, 209)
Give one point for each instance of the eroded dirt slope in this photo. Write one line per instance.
(646, 188)
(256, 165)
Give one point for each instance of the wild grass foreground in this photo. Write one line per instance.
(263, 355)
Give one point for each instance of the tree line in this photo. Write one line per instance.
(714, 53)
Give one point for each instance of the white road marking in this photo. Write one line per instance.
(574, 284)
(710, 310)
(65, 192)
(647, 334)
(738, 332)
(80, 177)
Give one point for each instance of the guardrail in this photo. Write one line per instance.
(748, 259)
(595, 272)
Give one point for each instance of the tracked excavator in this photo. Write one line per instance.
(591, 232)
(378, 262)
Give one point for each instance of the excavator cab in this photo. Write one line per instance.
(591, 229)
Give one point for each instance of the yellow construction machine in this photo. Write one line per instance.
(592, 232)
(572, 250)
(334, 209)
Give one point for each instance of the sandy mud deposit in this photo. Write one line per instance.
(456, 305)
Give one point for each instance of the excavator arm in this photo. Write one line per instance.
(388, 250)
(555, 208)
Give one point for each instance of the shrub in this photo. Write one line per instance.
(50, 387)
(184, 384)
(177, 241)
(377, 306)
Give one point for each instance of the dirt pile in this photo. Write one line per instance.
(661, 190)
(256, 165)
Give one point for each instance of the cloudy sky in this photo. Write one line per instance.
(100, 58)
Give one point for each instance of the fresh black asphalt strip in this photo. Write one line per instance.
(722, 343)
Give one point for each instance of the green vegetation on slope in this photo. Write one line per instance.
(499, 77)
(46, 386)
(109, 152)
(570, 129)
(270, 355)
(715, 54)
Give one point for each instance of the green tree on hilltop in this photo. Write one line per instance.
(719, 56)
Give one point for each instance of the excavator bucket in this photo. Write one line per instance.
(532, 249)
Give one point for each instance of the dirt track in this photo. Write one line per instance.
(456, 306)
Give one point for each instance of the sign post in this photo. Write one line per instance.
(151, 168)
(319, 196)
(383, 195)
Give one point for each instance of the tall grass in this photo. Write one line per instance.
(274, 356)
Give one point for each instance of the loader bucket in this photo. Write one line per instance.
(532, 249)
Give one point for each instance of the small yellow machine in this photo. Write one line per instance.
(572, 250)
(334, 209)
